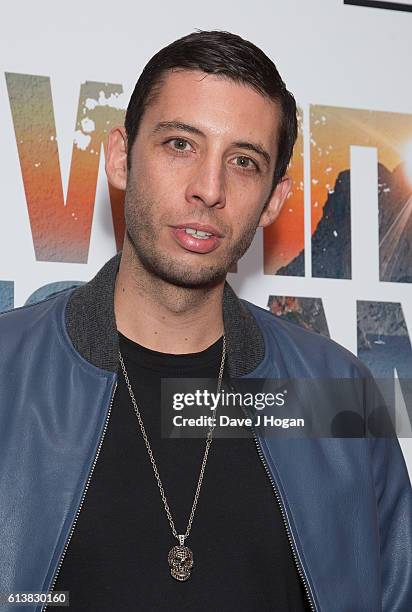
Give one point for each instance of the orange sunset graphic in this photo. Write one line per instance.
(61, 227)
(332, 132)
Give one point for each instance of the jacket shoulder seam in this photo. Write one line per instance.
(34, 304)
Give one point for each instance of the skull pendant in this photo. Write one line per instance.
(180, 559)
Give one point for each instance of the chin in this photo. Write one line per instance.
(193, 281)
(184, 276)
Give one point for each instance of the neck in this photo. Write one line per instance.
(162, 316)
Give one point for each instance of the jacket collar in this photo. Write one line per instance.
(91, 324)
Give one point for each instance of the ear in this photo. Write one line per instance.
(116, 158)
(274, 204)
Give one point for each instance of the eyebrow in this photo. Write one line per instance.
(177, 125)
(185, 127)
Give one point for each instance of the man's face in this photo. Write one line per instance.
(203, 158)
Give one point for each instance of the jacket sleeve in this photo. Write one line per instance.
(394, 507)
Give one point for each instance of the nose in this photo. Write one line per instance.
(206, 184)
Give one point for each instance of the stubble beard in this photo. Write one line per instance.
(145, 239)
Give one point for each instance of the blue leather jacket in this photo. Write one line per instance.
(346, 502)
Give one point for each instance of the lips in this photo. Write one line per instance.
(197, 245)
(210, 229)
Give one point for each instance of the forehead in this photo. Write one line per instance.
(216, 105)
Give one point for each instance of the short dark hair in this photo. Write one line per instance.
(232, 57)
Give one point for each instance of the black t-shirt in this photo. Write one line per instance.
(117, 558)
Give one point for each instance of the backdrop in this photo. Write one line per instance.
(338, 260)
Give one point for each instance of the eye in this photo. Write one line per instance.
(179, 144)
(247, 163)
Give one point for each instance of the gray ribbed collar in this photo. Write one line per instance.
(91, 324)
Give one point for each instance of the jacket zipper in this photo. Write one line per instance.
(284, 515)
(43, 609)
(295, 553)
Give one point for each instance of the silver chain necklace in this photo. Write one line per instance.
(180, 557)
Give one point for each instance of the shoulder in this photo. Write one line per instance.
(305, 351)
(25, 321)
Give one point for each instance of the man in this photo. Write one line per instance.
(240, 524)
